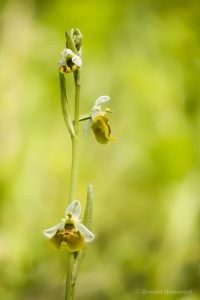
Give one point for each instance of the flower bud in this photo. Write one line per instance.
(77, 38)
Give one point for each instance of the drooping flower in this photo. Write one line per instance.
(70, 234)
(99, 122)
(69, 62)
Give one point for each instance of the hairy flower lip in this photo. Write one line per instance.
(101, 129)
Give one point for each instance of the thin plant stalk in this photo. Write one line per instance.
(65, 106)
(75, 140)
(70, 282)
(68, 287)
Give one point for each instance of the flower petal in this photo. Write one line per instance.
(77, 60)
(66, 52)
(61, 62)
(101, 99)
(49, 233)
(89, 236)
(75, 209)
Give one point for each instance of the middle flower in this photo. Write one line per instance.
(100, 124)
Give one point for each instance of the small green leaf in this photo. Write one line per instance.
(70, 42)
(87, 221)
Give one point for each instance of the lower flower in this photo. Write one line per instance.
(70, 234)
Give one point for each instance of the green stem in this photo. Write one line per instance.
(68, 290)
(65, 106)
(70, 282)
(77, 96)
(75, 140)
(74, 171)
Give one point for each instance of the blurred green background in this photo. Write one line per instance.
(145, 55)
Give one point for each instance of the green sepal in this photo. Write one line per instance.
(77, 38)
(88, 214)
(70, 42)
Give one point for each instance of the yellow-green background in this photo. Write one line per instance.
(145, 55)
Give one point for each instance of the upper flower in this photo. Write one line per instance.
(69, 62)
(70, 233)
(99, 121)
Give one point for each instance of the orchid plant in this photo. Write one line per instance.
(71, 234)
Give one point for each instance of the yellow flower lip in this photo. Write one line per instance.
(69, 239)
(68, 68)
(101, 129)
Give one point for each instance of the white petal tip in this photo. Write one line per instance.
(102, 99)
(67, 52)
(49, 233)
(89, 236)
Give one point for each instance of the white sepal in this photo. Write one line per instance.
(75, 209)
(49, 233)
(77, 60)
(89, 236)
(95, 113)
(101, 99)
(67, 52)
(61, 62)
